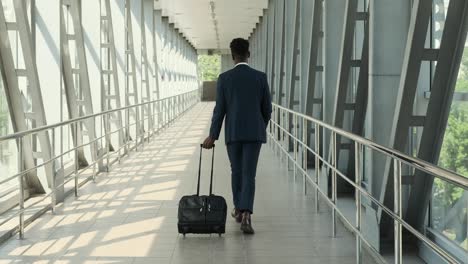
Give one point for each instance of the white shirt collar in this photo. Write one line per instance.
(241, 63)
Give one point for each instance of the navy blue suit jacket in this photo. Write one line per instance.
(243, 97)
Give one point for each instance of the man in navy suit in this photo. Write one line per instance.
(243, 98)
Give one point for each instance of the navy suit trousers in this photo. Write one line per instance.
(244, 158)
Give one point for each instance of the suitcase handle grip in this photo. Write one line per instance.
(199, 170)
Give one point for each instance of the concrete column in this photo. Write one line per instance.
(334, 13)
(388, 29)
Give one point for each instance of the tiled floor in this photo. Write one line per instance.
(130, 214)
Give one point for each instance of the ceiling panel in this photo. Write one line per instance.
(212, 24)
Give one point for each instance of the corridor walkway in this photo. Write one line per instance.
(130, 214)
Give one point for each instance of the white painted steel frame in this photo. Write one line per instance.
(110, 89)
(22, 117)
(76, 77)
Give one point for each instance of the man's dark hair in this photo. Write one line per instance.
(240, 48)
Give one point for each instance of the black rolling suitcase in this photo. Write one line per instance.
(202, 214)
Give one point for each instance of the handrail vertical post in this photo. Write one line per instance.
(333, 185)
(282, 125)
(397, 208)
(286, 137)
(127, 131)
(269, 127)
(158, 113)
(358, 180)
(107, 137)
(171, 110)
(118, 154)
(277, 132)
(153, 118)
(96, 161)
(287, 142)
(156, 119)
(54, 190)
(274, 128)
(296, 135)
(304, 153)
(137, 124)
(75, 127)
(280, 133)
(142, 108)
(21, 187)
(317, 165)
(163, 112)
(166, 106)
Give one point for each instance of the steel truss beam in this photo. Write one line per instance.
(278, 79)
(156, 72)
(344, 88)
(433, 124)
(110, 91)
(265, 44)
(76, 78)
(279, 71)
(146, 111)
(293, 77)
(271, 47)
(25, 116)
(131, 88)
(314, 68)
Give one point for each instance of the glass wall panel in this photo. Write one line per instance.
(449, 203)
(8, 150)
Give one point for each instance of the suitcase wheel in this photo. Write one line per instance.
(220, 235)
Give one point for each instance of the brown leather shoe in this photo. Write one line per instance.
(236, 214)
(246, 224)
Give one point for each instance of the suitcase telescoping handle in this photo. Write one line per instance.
(199, 170)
